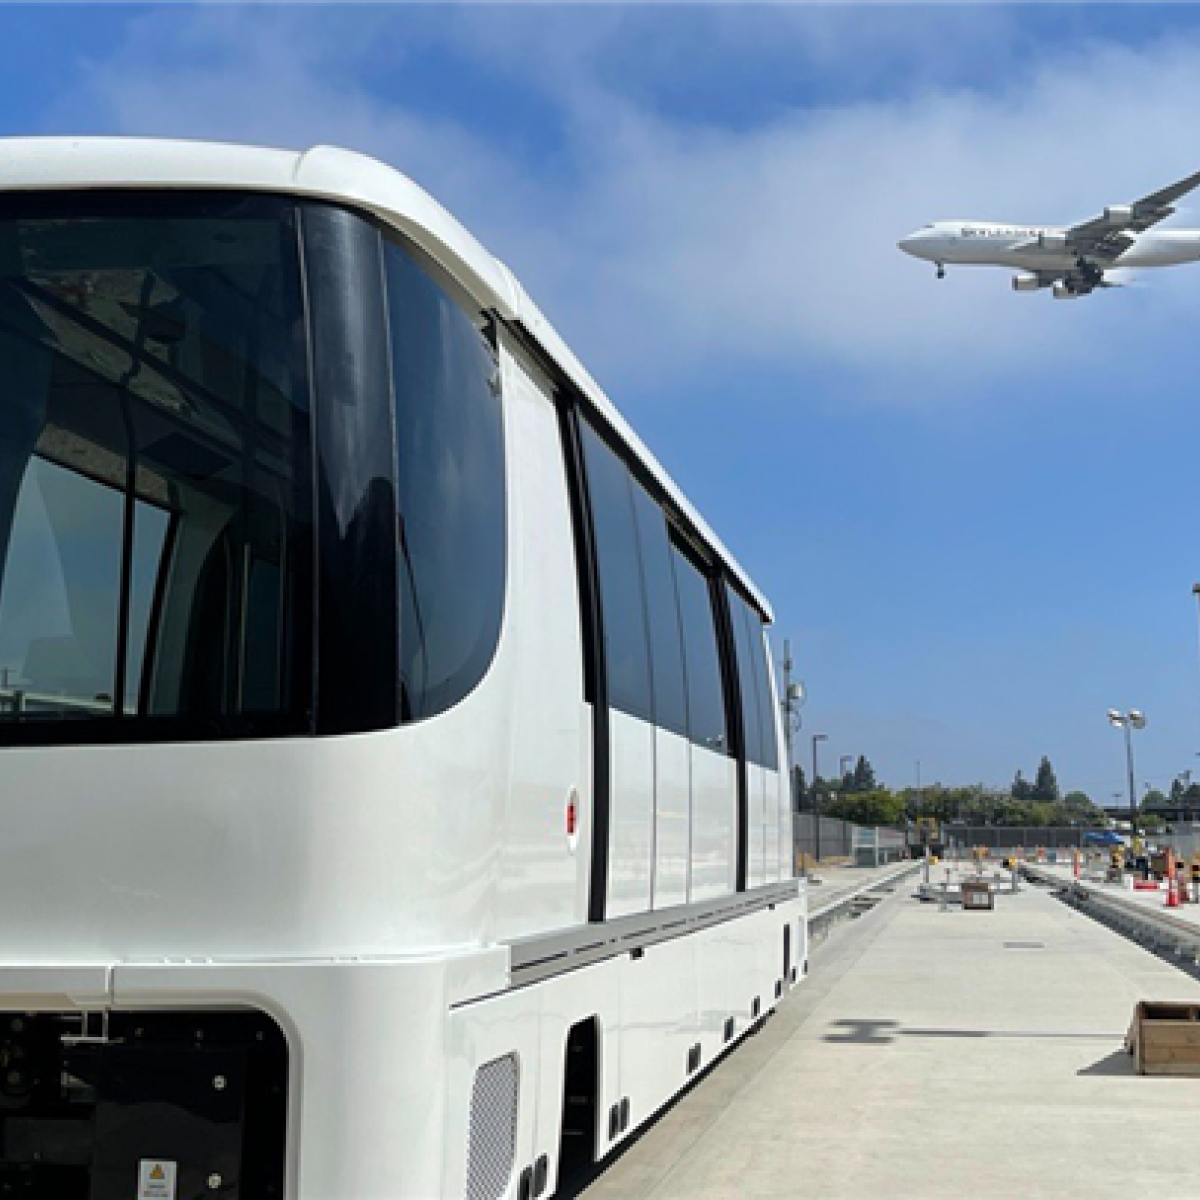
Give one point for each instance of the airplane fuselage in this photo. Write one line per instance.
(1022, 248)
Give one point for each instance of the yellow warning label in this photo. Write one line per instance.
(157, 1179)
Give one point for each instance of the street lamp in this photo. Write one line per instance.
(845, 758)
(1133, 719)
(1196, 593)
(817, 737)
(792, 702)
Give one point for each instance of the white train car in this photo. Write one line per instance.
(391, 800)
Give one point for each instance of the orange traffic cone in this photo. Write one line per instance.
(1172, 888)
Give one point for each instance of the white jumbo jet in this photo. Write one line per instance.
(1071, 260)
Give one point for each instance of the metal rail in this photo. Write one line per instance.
(543, 955)
(1159, 931)
(821, 921)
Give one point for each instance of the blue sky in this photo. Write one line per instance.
(976, 512)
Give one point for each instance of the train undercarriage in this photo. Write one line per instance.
(147, 1105)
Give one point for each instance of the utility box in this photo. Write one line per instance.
(1164, 1038)
(977, 894)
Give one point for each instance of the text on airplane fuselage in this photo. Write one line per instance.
(973, 231)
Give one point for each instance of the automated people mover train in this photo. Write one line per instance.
(391, 800)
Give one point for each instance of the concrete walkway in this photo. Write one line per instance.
(938, 1054)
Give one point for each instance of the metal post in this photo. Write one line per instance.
(1196, 593)
(787, 718)
(816, 737)
(1132, 792)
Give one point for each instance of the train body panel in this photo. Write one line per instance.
(391, 788)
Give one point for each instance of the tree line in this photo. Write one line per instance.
(858, 796)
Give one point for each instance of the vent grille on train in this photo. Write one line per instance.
(493, 1143)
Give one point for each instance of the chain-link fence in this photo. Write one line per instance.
(1013, 837)
(829, 839)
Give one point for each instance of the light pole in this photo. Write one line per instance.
(1133, 719)
(845, 758)
(792, 702)
(1196, 593)
(817, 737)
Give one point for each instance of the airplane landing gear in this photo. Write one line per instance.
(941, 271)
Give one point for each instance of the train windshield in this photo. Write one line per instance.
(155, 464)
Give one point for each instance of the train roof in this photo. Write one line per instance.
(331, 173)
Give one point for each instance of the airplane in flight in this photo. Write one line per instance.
(1070, 260)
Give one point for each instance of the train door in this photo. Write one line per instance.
(627, 688)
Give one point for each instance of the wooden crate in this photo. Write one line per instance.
(976, 894)
(1164, 1038)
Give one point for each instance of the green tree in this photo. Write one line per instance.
(878, 807)
(1045, 785)
(1080, 809)
(1022, 789)
(863, 779)
(1154, 801)
(1191, 797)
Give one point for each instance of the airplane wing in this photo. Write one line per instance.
(1106, 236)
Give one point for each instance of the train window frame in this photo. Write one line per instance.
(750, 649)
(621, 592)
(133, 718)
(770, 725)
(482, 566)
(664, 626)
(747, 674)
(724, 743)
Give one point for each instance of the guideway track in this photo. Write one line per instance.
(1139, 920)
(848, 901)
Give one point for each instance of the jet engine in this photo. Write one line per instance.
(1064, 291)
(1119, 214)
(1026, 282)
(1053, 240)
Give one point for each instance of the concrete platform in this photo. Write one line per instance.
(938, 1053)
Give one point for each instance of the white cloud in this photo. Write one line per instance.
(667, 244)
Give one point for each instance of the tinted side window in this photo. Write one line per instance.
(705, 691)
(662, 615)
(757, 699)
(358, 630)
(748, 681)
(770, 758)
(450, 480)
(626, 653)
(155, 479)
